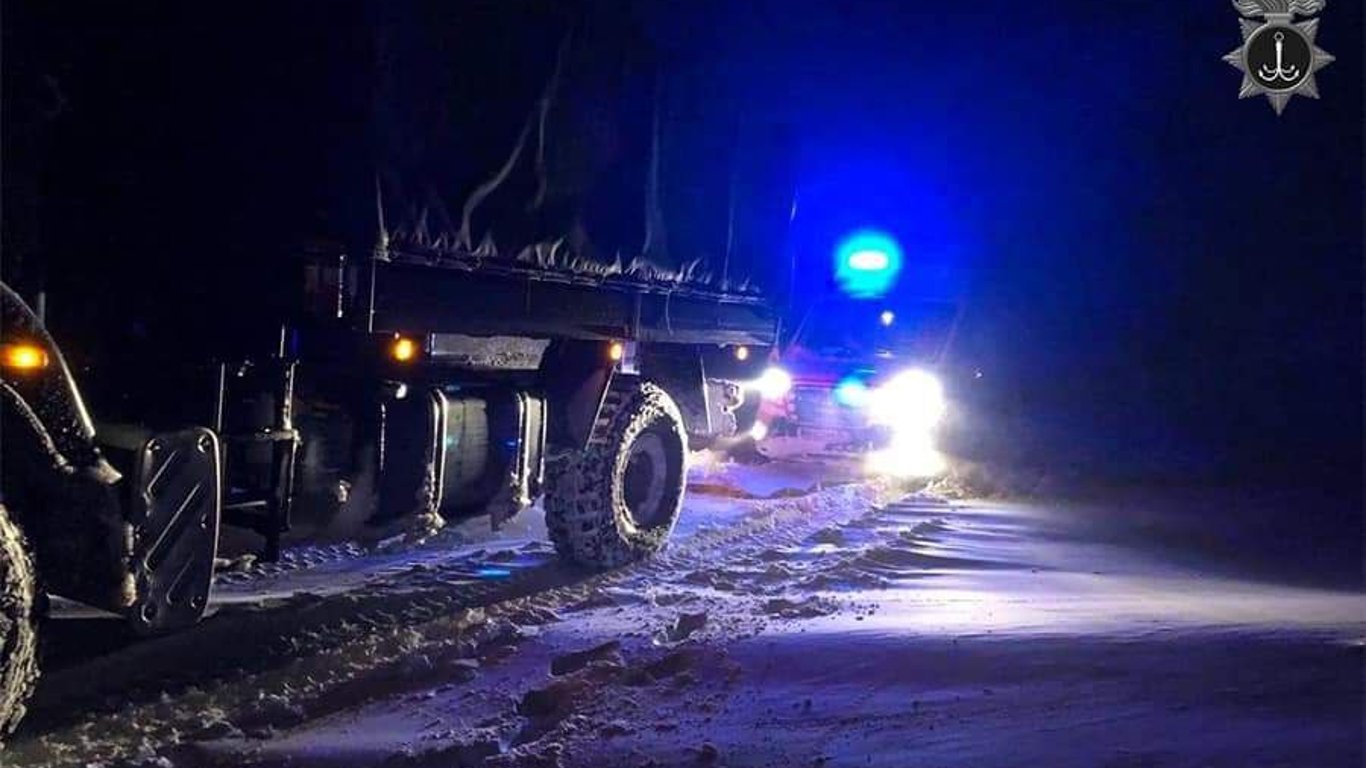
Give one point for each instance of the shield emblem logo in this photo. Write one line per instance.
(1278, 56)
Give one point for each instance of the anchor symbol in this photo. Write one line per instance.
(1281, 72)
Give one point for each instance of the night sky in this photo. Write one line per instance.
(1143, 258)
(1143, 253)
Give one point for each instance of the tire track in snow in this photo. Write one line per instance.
(161, 690)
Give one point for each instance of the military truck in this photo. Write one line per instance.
(467, 255)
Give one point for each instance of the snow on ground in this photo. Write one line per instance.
(794, 621)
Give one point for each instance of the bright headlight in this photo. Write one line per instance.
(773, 383)
(911, 405)
(910, 399)
(908, 455)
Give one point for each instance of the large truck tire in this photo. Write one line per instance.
(18, 635)
(617, 500)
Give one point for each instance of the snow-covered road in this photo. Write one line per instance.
(789, 624)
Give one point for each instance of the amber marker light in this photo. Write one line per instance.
(403, 349)
(23, 357)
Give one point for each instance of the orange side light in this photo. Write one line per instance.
(404, 349)
(616, 351)
(742, 353)
(23, 357)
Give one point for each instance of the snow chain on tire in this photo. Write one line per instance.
(18, 636)
(586, 510)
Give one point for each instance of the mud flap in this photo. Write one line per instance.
(175, 509)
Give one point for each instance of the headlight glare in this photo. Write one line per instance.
(773, 383)
(913, 398)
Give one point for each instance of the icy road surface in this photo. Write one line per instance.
(789, 624)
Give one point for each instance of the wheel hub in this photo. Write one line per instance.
(643, 486)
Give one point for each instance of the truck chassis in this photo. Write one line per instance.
(463, 386)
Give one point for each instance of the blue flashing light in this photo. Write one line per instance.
(867, 263)
(851, 393)
(887, 318)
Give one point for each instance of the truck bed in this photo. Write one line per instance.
(483, 297)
